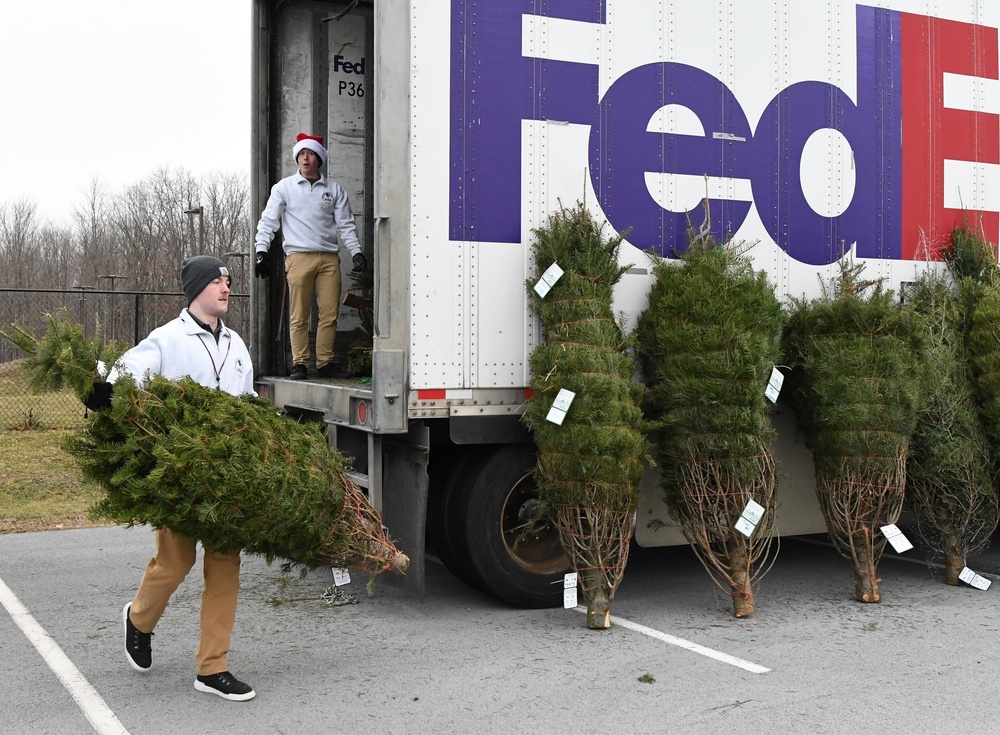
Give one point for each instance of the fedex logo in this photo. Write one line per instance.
(923, 136)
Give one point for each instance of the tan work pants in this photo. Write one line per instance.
(175, 555)
(308, 272)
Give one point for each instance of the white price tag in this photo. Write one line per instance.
(774, 385)
(341, 577)
(569, 591)
(560, 406)
(974, 580)
(750, 517)
(745, 527)
(552, 274)
(753, 512)
(896, 539)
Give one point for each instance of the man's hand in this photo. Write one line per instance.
(360, 263)
(262, 265)
(99, 396)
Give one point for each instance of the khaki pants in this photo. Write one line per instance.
(175, 555)
(308, 272)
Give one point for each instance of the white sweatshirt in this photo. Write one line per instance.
(183, 348)
(311, 216)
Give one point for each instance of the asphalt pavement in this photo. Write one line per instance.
(811, 659)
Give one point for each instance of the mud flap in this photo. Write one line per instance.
(404, 502)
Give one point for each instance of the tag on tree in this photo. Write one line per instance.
(753, 512)
(750, 517)
(560, 406)
(569, 591)
(896, 539)
(745, 527)
(341, 577)
(552, 274)
(974, 580)
(774, 385)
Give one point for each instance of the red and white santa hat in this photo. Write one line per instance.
(313, 143)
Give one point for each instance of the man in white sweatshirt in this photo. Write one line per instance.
(198, 345)
(315, 217)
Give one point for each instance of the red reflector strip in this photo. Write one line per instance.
(430, 395)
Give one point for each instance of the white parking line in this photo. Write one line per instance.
(103, 720)
(688, 645)
(671, 639)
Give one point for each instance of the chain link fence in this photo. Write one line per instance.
(124, 315)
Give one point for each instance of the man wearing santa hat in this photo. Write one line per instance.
(316, 220)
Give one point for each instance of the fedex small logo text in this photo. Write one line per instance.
(921, 135)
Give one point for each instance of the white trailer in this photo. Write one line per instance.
(457, 126)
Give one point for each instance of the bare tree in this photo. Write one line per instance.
(96, 249)
(226, 206)
(141, 230)
(19, 225)
(56, 258)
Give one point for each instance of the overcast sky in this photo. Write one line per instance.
(114, 88)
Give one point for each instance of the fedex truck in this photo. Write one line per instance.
(815, 130)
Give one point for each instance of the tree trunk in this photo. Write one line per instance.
(739, 568)
(954, 563)
(865, 575)
(599, 610)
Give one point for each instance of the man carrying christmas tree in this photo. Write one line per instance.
(195, 344)
(314, 214)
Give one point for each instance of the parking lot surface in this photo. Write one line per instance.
(456, 661)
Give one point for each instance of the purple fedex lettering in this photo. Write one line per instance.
(622, 152)
(872, 128)
(494, 88)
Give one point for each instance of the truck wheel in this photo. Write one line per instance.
(524, 570)
(446, 517)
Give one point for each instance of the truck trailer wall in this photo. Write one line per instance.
(813, 128)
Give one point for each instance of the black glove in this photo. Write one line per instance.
(360, 263)
(262, 265)
(99, 396)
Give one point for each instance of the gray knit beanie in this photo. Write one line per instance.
(198, 272)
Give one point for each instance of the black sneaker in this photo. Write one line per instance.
(137, 648)
(226, 686)
(331, 370)
(299, 372)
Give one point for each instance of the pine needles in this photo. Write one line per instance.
(707, 344)
(232, 472)
(63, 356)
(588, 468)
(856, 386)
(949, 478)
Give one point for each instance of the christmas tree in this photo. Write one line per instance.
(590, 464)
(708, 342)
(856, 386)
(949, 477)
(230, 471)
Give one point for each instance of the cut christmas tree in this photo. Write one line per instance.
(856, 385)
(707, 343)
(949, 478)
(232, 472)
(590, 464)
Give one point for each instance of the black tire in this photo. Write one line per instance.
(446, 516)
(499, 499)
